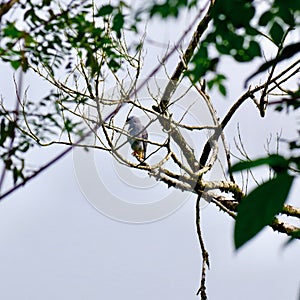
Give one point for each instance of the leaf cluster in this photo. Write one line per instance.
(169, 8)
(13, 146)
(49, 33)
(259, 208)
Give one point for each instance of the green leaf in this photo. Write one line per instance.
(276, 33)
(286, 15)
(265, 18)
(254, 49)
(222, 89)
(12, 31)
(170, 8)
(291, 4)
(3, 132)
(8, 163)
(105, 10)
(244, 15)
(91, 62)
(259, 208)
(114, 65)
(217, 82)
(68, 125)
(25, 147)
(275, 161)
(15, 64)
(118, 23)
(15, 175)
(163, 10)
(11, 129)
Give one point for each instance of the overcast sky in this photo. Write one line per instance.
(56, 245)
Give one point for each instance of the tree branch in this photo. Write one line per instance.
(4, 9)
(172, 85)
(205, 256)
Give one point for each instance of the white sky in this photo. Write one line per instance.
(55, 245)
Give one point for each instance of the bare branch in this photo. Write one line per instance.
(263, 102)
(205, 256)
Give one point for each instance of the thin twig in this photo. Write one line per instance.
(205, 256)
(262, 101)
(18, 88)
(112, 114)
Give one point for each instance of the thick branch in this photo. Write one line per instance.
(284, 227)
(172, 85)
(277, 225)
(4, 9)
(291, 211)
(235, 107)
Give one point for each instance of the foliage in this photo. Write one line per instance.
(259, 207)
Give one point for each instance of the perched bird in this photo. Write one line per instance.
(137, 131)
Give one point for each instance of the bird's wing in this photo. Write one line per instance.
(145, 137)
(132, 134)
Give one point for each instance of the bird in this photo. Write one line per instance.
(137, 131)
